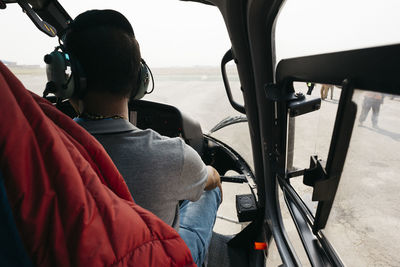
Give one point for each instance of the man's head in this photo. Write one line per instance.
(104, 43)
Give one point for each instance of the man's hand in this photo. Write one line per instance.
(213, 180)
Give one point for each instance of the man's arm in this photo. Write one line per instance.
(195, 176)
(213, 180)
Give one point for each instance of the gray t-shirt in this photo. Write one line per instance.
(159, 171)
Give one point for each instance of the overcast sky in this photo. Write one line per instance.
(174, 33)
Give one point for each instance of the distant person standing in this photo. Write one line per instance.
(324, 91)
(372, 100)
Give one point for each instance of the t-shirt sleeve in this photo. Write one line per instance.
(193, 176)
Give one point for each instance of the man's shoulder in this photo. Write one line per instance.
(150, 142)
(157, 139)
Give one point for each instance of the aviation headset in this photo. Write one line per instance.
(65, 85)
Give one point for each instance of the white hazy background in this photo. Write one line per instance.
(179, 34)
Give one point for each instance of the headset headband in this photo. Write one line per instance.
(94, 18)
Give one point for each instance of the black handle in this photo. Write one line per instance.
(234, 179)
(228, 57)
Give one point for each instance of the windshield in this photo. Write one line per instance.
(177, 48)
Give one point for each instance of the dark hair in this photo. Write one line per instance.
(104, 44)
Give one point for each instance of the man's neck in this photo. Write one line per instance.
(105, 104)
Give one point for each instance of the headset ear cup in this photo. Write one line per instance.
(143, 81)
(56, 64)
(60, 83)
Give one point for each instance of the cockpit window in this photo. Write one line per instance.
(315, 27)
(364, 223)
(311, 133)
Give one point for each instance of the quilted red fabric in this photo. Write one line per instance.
(70, 204)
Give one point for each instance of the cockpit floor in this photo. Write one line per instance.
(220, 254)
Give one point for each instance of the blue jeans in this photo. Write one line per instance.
(197, 221)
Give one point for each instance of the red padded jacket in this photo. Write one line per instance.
(70, 204)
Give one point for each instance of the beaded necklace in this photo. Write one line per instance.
(89, 116)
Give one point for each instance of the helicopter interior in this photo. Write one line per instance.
(275, 102)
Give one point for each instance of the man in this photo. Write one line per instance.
(325, 89)
(159, 171)
(372, 100)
